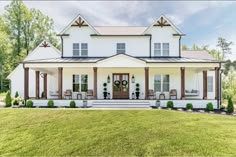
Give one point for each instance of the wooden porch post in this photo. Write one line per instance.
(182, 70)
(60, 69)
(204, 84)
(37, 84)
(45, 85)
(217, 69)
(26, 83)
(146, 82)
(95, 82)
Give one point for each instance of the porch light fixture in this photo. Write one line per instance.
(133, 79)
(42, 75)
(108, 79)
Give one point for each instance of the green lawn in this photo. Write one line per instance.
(61, 132)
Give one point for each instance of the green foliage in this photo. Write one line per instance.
(29, 103)
(72, 104)
(15, 102)
(189, 106)
(230, 106)
(170, 104)
(225, 46)
(50, 103)
(8, 99)
(17, 94)
(209, 107)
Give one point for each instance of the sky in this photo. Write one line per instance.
(202, 21)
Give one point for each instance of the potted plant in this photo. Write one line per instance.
(105, 90)
(137, 91)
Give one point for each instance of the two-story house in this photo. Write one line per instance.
(119, 63)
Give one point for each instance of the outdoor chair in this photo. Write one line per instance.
(89, 94)
(68, 93)
(151, 94)
(173, 94)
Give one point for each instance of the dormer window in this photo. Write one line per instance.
(80, 49)
(161, 49)
(120, 48)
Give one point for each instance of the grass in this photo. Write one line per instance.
(50, 132)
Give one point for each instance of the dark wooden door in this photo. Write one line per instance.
(120, 86)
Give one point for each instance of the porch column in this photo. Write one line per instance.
(146, 82)
(204, 84)
(45, 85)
(217, 69)
(182, 71)
(60, 69)
(26, 83)
(37, 84)
(95, 82)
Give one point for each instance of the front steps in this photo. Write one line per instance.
(121, 104)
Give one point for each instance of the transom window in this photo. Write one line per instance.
(80, 49)
(120, 48)
(161, 49)
(209, 83)
(161, 83)
(80, 85)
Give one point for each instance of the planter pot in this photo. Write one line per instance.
(180, 109)
(137, 95)
(202, 111)
(15, 106)
(189, 110)
(105, 95)
(169, 108)
(159, 107)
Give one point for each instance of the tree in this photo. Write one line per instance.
(224, 45)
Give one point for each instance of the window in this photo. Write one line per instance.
(162, 83)
(209, 83)
(165, 49)
(166, 83)
(157, 49)
(75, 49)
(84, 83)
(76, 85)
(157, 83)
(84, 49)
(120, 48)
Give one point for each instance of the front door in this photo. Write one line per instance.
(120, 86)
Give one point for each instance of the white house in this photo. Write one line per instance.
(121, 57)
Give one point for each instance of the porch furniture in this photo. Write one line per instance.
(53, 93)
(192, 92)
(151, 94)
(68, 93)
(89, 94)
(79, 95)
(162, 96)
(173, 94)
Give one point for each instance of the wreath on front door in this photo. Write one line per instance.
(117, 83)
(124, 82)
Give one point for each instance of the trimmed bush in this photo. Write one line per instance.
(50, 103)
(8, 99)
(209, 107)
(189, 106)
(72, 104)
(17, 94)
(29, 103)
(230, 106)
(170, 104)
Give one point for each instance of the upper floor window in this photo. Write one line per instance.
(209, 83)
(120, 48)
(75, 49)
(84, 49)
(161, 49)
(80, 50)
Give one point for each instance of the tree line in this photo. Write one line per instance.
(21, 30)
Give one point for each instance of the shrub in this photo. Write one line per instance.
(189, 106)
(209, 107)
(29, 103)
(50, 103)
(8, 99)
(222, 107)
(170, 104)
(17, 94)
(72, 104)
(230, 106)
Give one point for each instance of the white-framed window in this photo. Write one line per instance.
(165, 49)
(84, 49)
(162, 83)
(161, 49)
(157, 49)
(120, 48)
(75, 49)
(209, 83)
(80, 83)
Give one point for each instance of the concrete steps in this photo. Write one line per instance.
(121, 104)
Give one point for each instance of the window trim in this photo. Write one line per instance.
(161, 49)
(79, 82)
(161, 82)
(77, 49)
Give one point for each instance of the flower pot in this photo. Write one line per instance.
(105, 95)
(137, 95)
